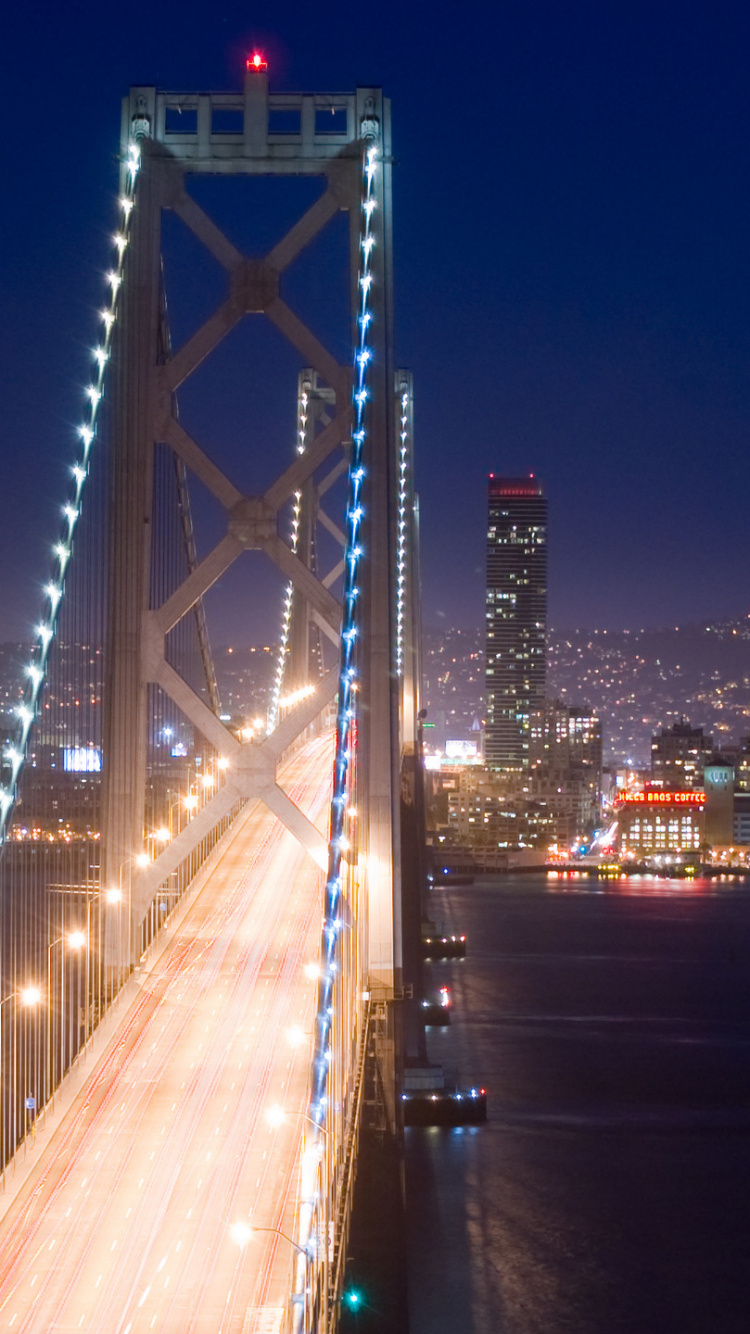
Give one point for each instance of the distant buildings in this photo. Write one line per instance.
(540, 785)
(678, 755)
(485, 814)
(565, 765)
(489, 813)
(516, 618)
(694, 802)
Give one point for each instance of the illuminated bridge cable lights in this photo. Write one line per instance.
(54, 590)
(401, 541)
(347, 692)
(286, 620)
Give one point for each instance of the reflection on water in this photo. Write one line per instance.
(610, 1022)
(578, 882)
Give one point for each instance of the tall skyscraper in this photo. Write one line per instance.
(516, 615)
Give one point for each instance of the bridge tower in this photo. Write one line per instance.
(345, 139)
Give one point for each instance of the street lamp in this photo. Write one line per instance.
(276, 1116)
(29, 996)
(76, 939)
(242, 1232)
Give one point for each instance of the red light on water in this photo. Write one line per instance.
(256, 63)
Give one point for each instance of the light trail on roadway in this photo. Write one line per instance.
(125, 1223)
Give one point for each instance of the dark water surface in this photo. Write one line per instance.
(610, 1189)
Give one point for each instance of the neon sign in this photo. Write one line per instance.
(662, 799)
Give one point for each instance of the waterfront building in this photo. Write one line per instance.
(516, 618)
(718, 785)
(656, 821)
(741, 820)
(483, 812)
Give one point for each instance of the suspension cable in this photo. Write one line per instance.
(54, 590)
(401, 541)
(286, 617)
(343, 768)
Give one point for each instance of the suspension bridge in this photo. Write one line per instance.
(210, 924)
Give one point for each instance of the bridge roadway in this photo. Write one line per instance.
(125, 1222)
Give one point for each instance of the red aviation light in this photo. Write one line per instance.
(256, 63)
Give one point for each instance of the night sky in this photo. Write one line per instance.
(571, 260)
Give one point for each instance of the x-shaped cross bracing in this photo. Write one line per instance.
(252, 524)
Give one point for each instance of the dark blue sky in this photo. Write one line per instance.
(571, 257)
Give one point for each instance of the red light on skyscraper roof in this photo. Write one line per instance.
(515, 486)
(256, 63)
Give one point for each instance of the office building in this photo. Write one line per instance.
(516, 617)
(565, 755)
(678, 755)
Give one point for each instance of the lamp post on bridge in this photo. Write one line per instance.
(242, 1232)
(75, 939)
(30, 996)
(276, 1116)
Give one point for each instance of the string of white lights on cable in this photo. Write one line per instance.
(36, 672)
(346, 716)
(286, 619)
(403, 468)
